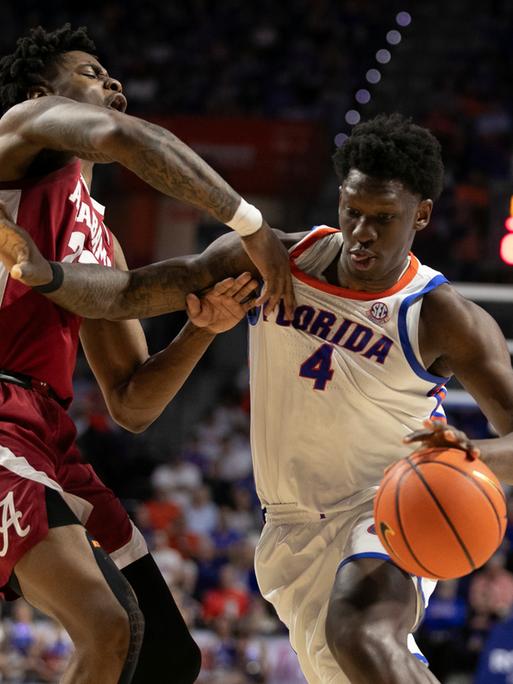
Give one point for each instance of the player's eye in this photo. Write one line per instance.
(352, 213)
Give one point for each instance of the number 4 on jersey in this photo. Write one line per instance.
(318, 367)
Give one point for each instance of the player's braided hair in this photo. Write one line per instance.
(391, 147)
(28, 64)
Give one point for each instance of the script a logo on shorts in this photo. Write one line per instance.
(378, 313)
(386, 533)
(10, 518)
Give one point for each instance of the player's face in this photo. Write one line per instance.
(378, 219)
(79, 76)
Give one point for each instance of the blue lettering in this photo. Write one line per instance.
(379, 349)
(359, 338)
(341, 331)
(280, 318)
(323, 324)
(303, 317)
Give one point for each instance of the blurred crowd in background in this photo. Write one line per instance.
(199, 513)
(188, 482)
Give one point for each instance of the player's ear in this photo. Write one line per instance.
(423, 214)
(37, 91)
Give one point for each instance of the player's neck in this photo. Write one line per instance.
(87, 172)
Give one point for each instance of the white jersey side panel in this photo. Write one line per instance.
(336, 389)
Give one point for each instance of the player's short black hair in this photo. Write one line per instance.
(27, 65)
(391, 147)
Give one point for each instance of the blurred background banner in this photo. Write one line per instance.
(259, 156)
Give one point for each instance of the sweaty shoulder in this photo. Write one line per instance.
(444, 304)
(453, 330)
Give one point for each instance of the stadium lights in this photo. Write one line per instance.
(403, 19)
(373, 76)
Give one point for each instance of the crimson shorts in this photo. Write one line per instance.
(38, 450)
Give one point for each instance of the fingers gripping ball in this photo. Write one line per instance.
(439, 514)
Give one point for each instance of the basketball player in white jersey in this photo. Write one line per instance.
(336, 388)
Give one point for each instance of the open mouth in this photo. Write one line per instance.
(362, 260)
(118, 102)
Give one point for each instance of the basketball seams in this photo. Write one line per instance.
(419, 474)
(450, 520)
(480, 488)
(389, 475)
(400, 522)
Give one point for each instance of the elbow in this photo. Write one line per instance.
(131, 423)
(132, 420)
(134, 427)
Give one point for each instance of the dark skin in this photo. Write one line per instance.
(373, 603)
(80, 113)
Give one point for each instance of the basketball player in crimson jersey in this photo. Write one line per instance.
(63, 113)
(361, 363)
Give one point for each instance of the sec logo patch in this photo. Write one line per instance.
(379, 312)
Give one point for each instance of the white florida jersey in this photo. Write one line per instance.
(334, 391)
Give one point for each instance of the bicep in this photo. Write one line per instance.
(480, 360)
(61, 124)
(114, 350)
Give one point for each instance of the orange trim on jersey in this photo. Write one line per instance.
(346, 292)
(311, 238)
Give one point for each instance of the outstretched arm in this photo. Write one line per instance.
(100, 134)
(94, 291)
(155, 155)
(136, 386)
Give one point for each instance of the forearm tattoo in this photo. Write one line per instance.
(167, 164)
(153, 153)
(95, 291)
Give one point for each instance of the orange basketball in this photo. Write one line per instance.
(439, 514)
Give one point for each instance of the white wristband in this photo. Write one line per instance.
(246, 220)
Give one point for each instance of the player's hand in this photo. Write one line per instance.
(266, 251)
(20, 255)
(438, 434)
(222, 307)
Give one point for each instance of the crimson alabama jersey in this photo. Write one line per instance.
(37, 337)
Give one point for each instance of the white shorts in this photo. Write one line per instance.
(296, 561)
